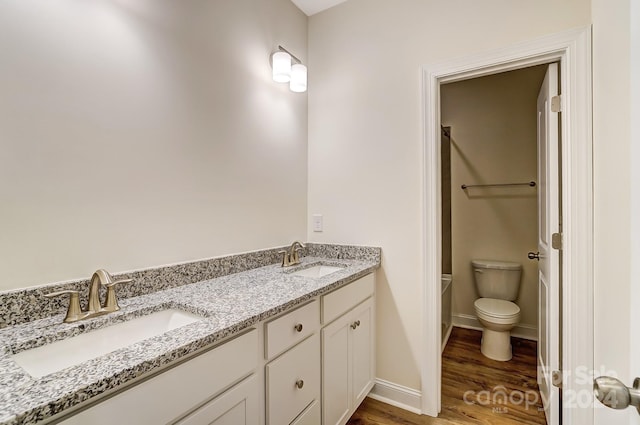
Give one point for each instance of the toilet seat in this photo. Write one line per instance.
(499, 311)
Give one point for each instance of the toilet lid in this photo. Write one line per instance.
(494, 264)
(497, 308)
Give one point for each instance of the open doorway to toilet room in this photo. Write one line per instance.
(491, 210)
(506, 275)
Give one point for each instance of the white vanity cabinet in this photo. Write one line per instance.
(170, 395)
(347, 349)
(289, 370)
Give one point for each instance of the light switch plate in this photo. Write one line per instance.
(317, 222)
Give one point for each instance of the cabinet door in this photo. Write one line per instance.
(336, 389)
(362, 343)
(236, 406)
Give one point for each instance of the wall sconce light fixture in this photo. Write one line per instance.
(285, 72)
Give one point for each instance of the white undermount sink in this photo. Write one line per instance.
(317, 271)
(49, 358)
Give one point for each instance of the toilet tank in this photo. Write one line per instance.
(497, 279)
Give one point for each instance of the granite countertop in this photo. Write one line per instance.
(228, 304)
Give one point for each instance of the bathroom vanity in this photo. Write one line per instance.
(272, 346)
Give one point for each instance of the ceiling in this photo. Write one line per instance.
(310, 7)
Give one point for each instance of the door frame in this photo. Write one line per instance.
(573, 50)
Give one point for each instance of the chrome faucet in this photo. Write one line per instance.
(94, 306)
(290, 256)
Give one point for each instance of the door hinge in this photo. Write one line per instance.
(556, 103)
(556, 241)
(556, 378)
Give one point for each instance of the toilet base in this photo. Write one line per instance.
(496, 345)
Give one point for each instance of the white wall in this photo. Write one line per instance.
(138, 133)
(365, 135)
(493, 140)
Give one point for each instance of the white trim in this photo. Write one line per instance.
(396, 395)
(522, 330)
(573, 50)
(446, 337)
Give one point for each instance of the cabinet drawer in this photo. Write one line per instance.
(311, 415)
(293, 327)
(293, 381)
(172, 393)
(237, 406)
(340, 301)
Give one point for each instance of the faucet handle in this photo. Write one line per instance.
(74, 312)
(118, 282)
(286, 261)
(111, 301)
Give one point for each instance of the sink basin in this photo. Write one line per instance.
(317, 271)
(49, 358)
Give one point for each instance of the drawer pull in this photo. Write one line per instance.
(299, 384)
(298, 327)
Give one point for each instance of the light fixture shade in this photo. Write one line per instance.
(298, 82)
(281, 63)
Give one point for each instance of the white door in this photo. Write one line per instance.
(549, 261)
(626, 334)
(634, 299)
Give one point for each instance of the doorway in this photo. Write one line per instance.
(572, 51)
(491, 184)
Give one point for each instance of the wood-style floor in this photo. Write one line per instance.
(475, 389)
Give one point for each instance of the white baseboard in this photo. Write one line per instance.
(397, 395)
(471, 322)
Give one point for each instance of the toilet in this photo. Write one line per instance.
(498, 283)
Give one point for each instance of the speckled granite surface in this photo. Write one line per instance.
(24, 305)
(351, 252)
(228, 304)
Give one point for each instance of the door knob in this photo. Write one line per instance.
(534, 255)
(614, 394)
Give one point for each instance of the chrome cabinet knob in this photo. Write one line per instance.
(355, 324)
(534, 255)
(614, 394)
(299, 384)
(298, 327)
